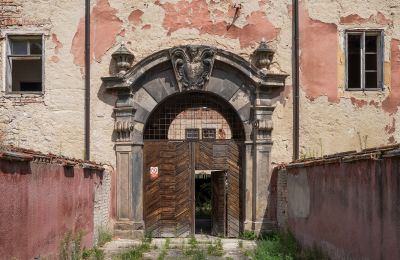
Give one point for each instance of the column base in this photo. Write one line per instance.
(129, 230)
(260, 227)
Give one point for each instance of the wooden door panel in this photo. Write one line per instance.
(184, 191)
(152, 209)
(167, 198)
(218, 203)
(233, 189)
(203, 155)
(225, 157)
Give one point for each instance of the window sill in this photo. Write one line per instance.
(364, 90)
(24, 94)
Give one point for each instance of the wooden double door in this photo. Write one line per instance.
(169, 186)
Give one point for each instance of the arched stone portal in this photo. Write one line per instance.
(249, 92)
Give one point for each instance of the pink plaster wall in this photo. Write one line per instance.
(39, 203)
(318, 57)
(354, 209)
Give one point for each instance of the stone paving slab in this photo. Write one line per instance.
(179, 247)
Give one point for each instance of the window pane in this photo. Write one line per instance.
(371, 80)
(36, 46)
(26, 75)
(354, 61)
(370, 43)
(19, 47)
(370, 62)
(192, 134)
(209, 133)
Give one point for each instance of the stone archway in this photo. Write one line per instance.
(249, 92)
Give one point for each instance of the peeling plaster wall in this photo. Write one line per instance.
(332, 119)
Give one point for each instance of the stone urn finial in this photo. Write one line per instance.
(124, 58)
(263, 55)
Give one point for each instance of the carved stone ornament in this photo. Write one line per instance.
(192, 65)
(123, 130)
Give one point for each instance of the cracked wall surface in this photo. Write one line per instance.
(331, 118)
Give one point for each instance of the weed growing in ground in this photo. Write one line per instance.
(240, 244)
(134, 253)
(283, 245)
(164, 250)
(71, 246)
(94, 253)
(248, 235)
(104, 236)
(193, 242)
(216, 249)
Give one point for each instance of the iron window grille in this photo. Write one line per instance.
(189, 110)
(364, 60)
(24, 68)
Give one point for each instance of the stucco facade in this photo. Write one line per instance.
(332, 119)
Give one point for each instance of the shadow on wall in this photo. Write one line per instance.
(22, 168)
(269, 223)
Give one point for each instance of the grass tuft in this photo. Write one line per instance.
(283, 245)
(104, 236)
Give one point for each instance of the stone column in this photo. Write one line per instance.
(262, 113)
(129, 170)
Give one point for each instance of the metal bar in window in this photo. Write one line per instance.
(25, 57)
(363, 60)
(346, 63)
(380, 59)
(43, 65)
(28, 47)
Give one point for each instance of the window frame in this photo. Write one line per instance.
(379, 55)
(8, 56)
(197, 130)
(203, 134)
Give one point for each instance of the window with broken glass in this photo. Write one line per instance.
(24, 72)
(364, 60)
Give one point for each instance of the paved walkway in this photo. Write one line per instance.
(199, 247)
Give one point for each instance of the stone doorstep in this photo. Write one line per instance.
(229, 244)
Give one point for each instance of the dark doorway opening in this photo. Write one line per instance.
(203, 203)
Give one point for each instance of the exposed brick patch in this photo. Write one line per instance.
(282, 199)
(21, 100)
(102, 202)
(11, 15)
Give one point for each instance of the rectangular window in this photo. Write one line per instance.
(364, 60)
(209, 133)
(24, 72)
(192, 134)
